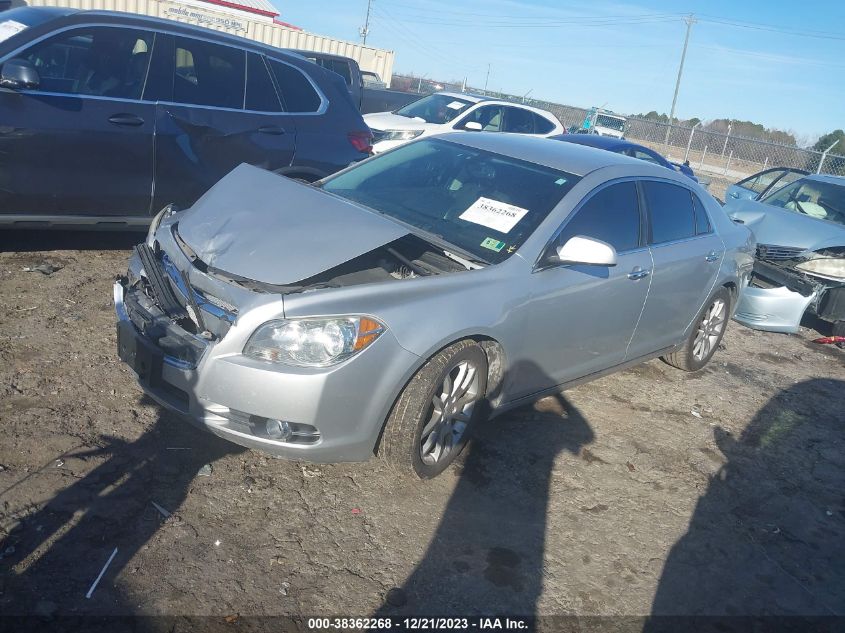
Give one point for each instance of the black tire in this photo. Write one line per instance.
(401, 442)
(685, 358)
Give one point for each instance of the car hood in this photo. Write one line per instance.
(773, 225)
(268, 228)
(390, 121)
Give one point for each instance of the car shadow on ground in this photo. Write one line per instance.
(51, 558)
(27, 241)
(768, 536)
(486, 556)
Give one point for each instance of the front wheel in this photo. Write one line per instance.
(706, 334)
(429, 423)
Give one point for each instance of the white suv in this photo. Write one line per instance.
(445, 112)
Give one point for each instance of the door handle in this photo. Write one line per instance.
(712, 256)
(638, 273)
(734, 194)
(126, 119)
(272, 129)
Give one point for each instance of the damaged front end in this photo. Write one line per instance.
(789, 281)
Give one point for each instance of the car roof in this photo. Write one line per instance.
(828, 178)
(463, 95)
(595, 140)
(319, 54)
(174, 26)
(569, 157)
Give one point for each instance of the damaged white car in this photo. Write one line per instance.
(800, 263)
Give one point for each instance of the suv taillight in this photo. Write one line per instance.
(362, 141)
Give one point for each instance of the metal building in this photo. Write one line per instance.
(253, 19)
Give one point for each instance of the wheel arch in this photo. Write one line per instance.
(496, 364)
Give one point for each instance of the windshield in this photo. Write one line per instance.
(484, 203)
(14, 21)
(820, 200)
(610, 121)
(436, 108)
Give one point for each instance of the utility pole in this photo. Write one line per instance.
(365, 30)
(487, 78)
(690, 20)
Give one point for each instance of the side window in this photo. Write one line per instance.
(641, 155)
(99, 61)
(260, 91)
(702, 222)
(542, 125)
(612, 215)
(209, 74)
(519, 121)
(341, 68)
(671, 212)
(298, 94)
(489, 117)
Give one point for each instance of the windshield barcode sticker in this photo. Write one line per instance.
(499, 216)
(10, 28)
(456, 105)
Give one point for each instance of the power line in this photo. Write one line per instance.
(825, 35)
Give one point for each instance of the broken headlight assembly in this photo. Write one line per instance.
(160, 217)
(832, 268)
(312, 342)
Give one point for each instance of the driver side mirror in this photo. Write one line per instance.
(586, 251)
(19, 74)
(473, 126)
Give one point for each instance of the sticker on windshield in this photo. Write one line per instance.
(456, 105)
(9, 28)
(493, 245)
(499, 216)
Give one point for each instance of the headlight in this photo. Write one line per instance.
(400, 135)
(162, 215)
(827, 267)
(316, 342)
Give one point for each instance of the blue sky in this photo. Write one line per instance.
(623, 55)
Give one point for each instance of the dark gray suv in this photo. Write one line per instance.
(107, 117)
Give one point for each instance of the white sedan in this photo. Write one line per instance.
(445, 112)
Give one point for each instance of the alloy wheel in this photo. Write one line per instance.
(451, 410)
(709, 330)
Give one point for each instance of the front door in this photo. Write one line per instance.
(223, 110)
(81, 142)
(581, 318)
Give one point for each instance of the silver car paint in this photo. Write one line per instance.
(517, 304)
(780, 309)
(241, 229)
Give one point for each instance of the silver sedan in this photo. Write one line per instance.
(392, 306)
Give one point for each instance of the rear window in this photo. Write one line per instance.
(484, 203)
(671, 212)
(297, 92)
(260, 92)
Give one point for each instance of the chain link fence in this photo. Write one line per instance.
(720, 159)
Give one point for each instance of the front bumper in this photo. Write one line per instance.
(336, 412)
(777, 298)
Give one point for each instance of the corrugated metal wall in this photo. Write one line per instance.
(239, 23)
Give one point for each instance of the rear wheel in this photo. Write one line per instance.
(429, 424)
(706, 334)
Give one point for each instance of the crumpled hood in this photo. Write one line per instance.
(781, 227)
(390, 121)
(265, 227)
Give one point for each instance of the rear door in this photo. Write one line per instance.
(687, 254)
(81, 142)
(217, 108)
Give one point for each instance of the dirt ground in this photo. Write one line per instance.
(650, 491)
